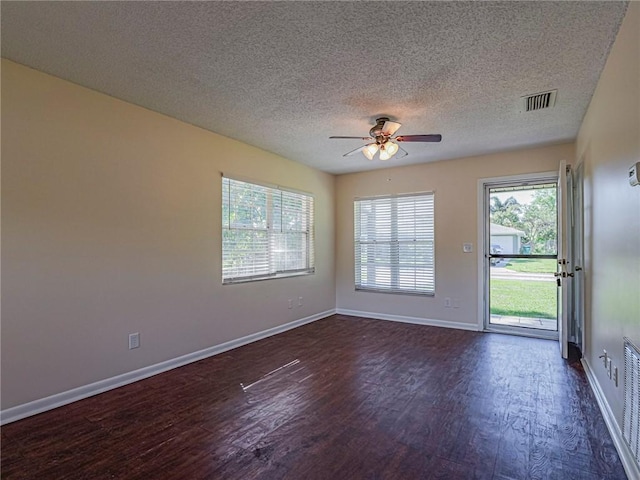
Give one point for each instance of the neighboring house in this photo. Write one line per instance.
(509, 239)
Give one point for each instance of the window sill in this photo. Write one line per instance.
(270, 277)
(395, 292)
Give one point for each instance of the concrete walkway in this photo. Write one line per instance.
(527, 322)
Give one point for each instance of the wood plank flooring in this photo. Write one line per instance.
(341, 398)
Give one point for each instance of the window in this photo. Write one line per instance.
(267, 232)
(394, 244)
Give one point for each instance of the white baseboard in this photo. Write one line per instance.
(59, 399)
(415, 320)
(624, 452)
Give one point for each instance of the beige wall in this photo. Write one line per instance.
(111, 225)
(608, 144)
(456, 218)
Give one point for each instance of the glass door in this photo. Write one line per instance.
(521, 257)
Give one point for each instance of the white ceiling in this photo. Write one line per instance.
(284, 76)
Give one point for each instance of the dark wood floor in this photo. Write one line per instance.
(355, 398)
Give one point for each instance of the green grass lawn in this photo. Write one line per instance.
(537, 265)
(524, 298)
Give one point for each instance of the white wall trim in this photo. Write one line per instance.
(626, 457)
(59, 399)
(416, 320)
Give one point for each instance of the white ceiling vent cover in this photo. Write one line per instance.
(538, 101)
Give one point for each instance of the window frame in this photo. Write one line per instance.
(424, 236)
(272, 233)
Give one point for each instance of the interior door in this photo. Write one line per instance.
(564, 272)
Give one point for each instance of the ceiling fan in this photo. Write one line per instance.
(383, 141)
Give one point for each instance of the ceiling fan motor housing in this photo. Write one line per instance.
(377, 132)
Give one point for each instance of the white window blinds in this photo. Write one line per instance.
(266, 232)
(394, 244)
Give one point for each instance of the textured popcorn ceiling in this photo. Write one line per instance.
(285, 76)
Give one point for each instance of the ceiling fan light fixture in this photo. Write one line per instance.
(391, 148)
(384, 155)
(370, 150)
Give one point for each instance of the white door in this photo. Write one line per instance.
(565, 270)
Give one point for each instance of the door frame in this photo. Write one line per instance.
(577, 257)
(483, 284)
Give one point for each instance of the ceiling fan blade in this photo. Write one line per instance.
(389, 127)
(419, 138)
(353, 152)
(351, 138)
(401, 152)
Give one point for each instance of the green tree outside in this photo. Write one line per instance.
(537, 219)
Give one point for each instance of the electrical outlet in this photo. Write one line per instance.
(134, 340)
(615, 376)
(447, 302)
(299, 301)
(456, 303)
(290, 303)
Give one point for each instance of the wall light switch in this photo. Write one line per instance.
(134, 340)
(467, 247)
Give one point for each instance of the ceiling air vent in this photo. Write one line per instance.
(538, 101)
